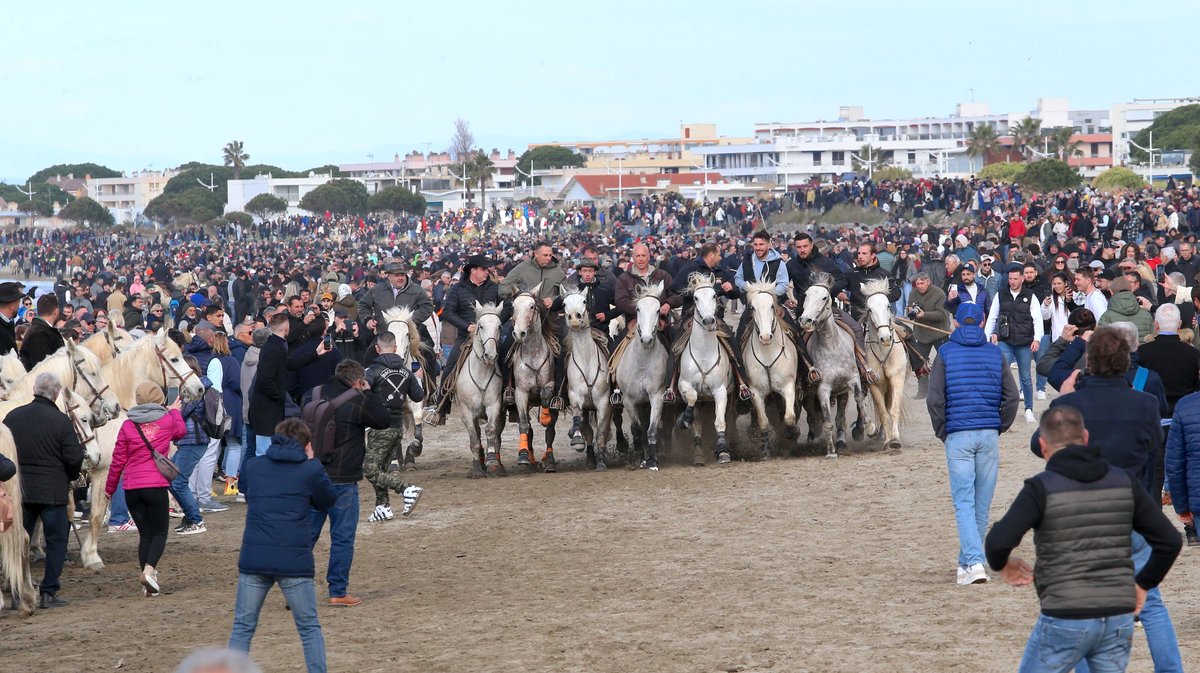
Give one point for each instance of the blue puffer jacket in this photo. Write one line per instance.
(974, 377)
(1183, 455)
(283, 487)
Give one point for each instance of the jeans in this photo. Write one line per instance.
(186, 457)
(973, 461)
(233, 457)
(55, 524)
(1043, 346)
(301, 596)
(118, 512)
(1024, 358)
(261, 444)
(343, 524)
(201, 481)
(1056, 645)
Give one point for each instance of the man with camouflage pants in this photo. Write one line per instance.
(393, 382)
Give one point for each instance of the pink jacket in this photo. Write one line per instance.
(132, 458)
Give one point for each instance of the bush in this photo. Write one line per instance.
(1118, 177)
(1003, 172)
(892, 173)
(238, 217)
(1050, 175)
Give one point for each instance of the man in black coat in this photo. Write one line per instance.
(269, 396)
(11, 295)
(458, 309)
(804, 264)
(1175, 362)
(42, 339)
(50, 456)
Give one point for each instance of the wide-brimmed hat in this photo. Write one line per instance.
(587, 263)
(10, 292)
(477, 261)
(395, 266)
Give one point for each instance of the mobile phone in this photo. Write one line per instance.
(1160, 272)
(328, 341)
(172, 394)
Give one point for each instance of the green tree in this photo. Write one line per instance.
(1049, 175)
(78, 170)
(42, 202)
(546, 156)
(983, 142)
(86, 211)
(1177, 129)
(331, 170)
(396, 200)
(265, 205)
(1062, 144)
(479, 171)
(235, 157)
(892, 173)
(185, 207)
(340, 196)
(238, 217)
(192, 174)
(1118, 177)
(1005, 172)
(1194, 162)
(1026, 134)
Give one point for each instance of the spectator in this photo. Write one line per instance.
(1015, 324)
(43, 339)
(268, 399)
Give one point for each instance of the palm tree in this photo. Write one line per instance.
(1062, 145)
(870, 159)
(983, 142)
(236, 157)
(479, 168)
(1027, 132)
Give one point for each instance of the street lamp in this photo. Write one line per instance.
(1149, 152)
(776, 164)
(870, 162)
(705, 172)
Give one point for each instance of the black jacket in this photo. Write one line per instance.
(394, 398)
(1175, 362)
(48, 451)
(8, 336)
(800, 273)
(600, 299)
(41, 341)
(360, 412)
(8, 469)
(268, 398)
(458, 306)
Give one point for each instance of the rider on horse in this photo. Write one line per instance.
(709, 266)
(399, 292)
(642, 274)
(458, 309)
(866, 267)
(764, 264)
(598, 294)
(542, 271)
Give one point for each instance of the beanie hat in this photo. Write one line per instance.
(149, 393)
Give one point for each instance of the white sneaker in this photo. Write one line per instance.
(962, 576)
(1041, 394)
(1022, 395)
(411, 495)
(381, 513)
(1029, 416)
(976, 574)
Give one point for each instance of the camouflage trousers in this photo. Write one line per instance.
(382, 446)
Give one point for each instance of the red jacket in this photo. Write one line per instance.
(132, 458)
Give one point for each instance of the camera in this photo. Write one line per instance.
(912, 311)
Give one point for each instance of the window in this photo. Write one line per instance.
(912, 157)
(1095, 149)
(839, 158)
(816, 158)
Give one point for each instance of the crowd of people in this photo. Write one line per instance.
(1087, 292)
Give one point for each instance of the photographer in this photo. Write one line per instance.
(926, 306)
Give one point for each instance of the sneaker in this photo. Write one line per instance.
(976, 574)
(381, 513)
(190, 528)
(241, 497)
(175, 513)
(213, 506)
(231, 486)
(150, 581)
(46, 601)
(1192, 539)
(1041, 394)
(962, 576)
(346, 601)
(1021, 395)
(127, 526)
(1029, 416)
(411, 495)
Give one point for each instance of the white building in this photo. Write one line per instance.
(126, 197)
(290, 190)
(434, 176)
(1128, 119)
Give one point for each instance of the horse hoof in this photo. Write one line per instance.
(523, 458)
(549, 464)
(698, 459)
(577, 443)
(477, 471)
(601, 467)
(415, 449)
(96, 566)
(840, 445)
(651, 465)
(723, 458)
(589, 464)
(764, 456)
(791, 432)
(831, 456)
(857, 432)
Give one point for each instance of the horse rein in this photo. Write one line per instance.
(97, 394)
(163, 366)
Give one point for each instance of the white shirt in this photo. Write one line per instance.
(1096, 302)
(1035, 313)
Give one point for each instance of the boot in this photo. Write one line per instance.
(868, 375)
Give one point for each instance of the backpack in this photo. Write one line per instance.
(320, 417)
(216, 421)
(390, 385)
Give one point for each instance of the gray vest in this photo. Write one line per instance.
(1084, 562)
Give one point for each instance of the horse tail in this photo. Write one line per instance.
(14, 543)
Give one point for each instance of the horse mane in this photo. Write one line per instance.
(123, 372)
(98, 345)
(487, 309)
(58, 363)
(822, 279)
(766, 286)
(697, 281)
(876, 286)
(644, 291)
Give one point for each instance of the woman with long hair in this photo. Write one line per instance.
(231, 398)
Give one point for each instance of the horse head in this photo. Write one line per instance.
(170, 369)
(90, 384)
(399, 322)
(878, 308)
(11, 371)
(648, 305)
(525, 308)
(818, 303)
(760, 297)
(575, 307)
(704, 297)
(487, 332)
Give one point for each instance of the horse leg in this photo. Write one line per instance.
(760, 417)
(650, 439)
(524, 429)
(491, 435)
(89, 553)
(878, 395)
(550, 433)
(791, 427)
(478, 459)
(866, 419)
(690, 395)
(827, 421)
(618, 416)
(897, 400)
(574, 434)
(720, 406)
(842, 402)
(594, 448)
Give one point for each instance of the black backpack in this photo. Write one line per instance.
(216, 421)
(320, 417)
(390, 386)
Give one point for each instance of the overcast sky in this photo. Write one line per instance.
(155, 84)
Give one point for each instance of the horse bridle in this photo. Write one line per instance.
(482, 343)
(97, 393)
(754, 347)
(871, 336)
(164, 366)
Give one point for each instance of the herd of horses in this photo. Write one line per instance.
(705, 374)
(100, 374)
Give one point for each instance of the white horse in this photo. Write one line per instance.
(832, 348)
(479, 391)
(108, 343)
(704, 369)
(771, 359)
(587, 381)
(886, 355)
(11, 371)
(399, 322)
(77, 369)
(532, 362)
(641, 374)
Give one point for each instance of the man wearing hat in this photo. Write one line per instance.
(398, 291)
(11, 295)
(458, 309)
